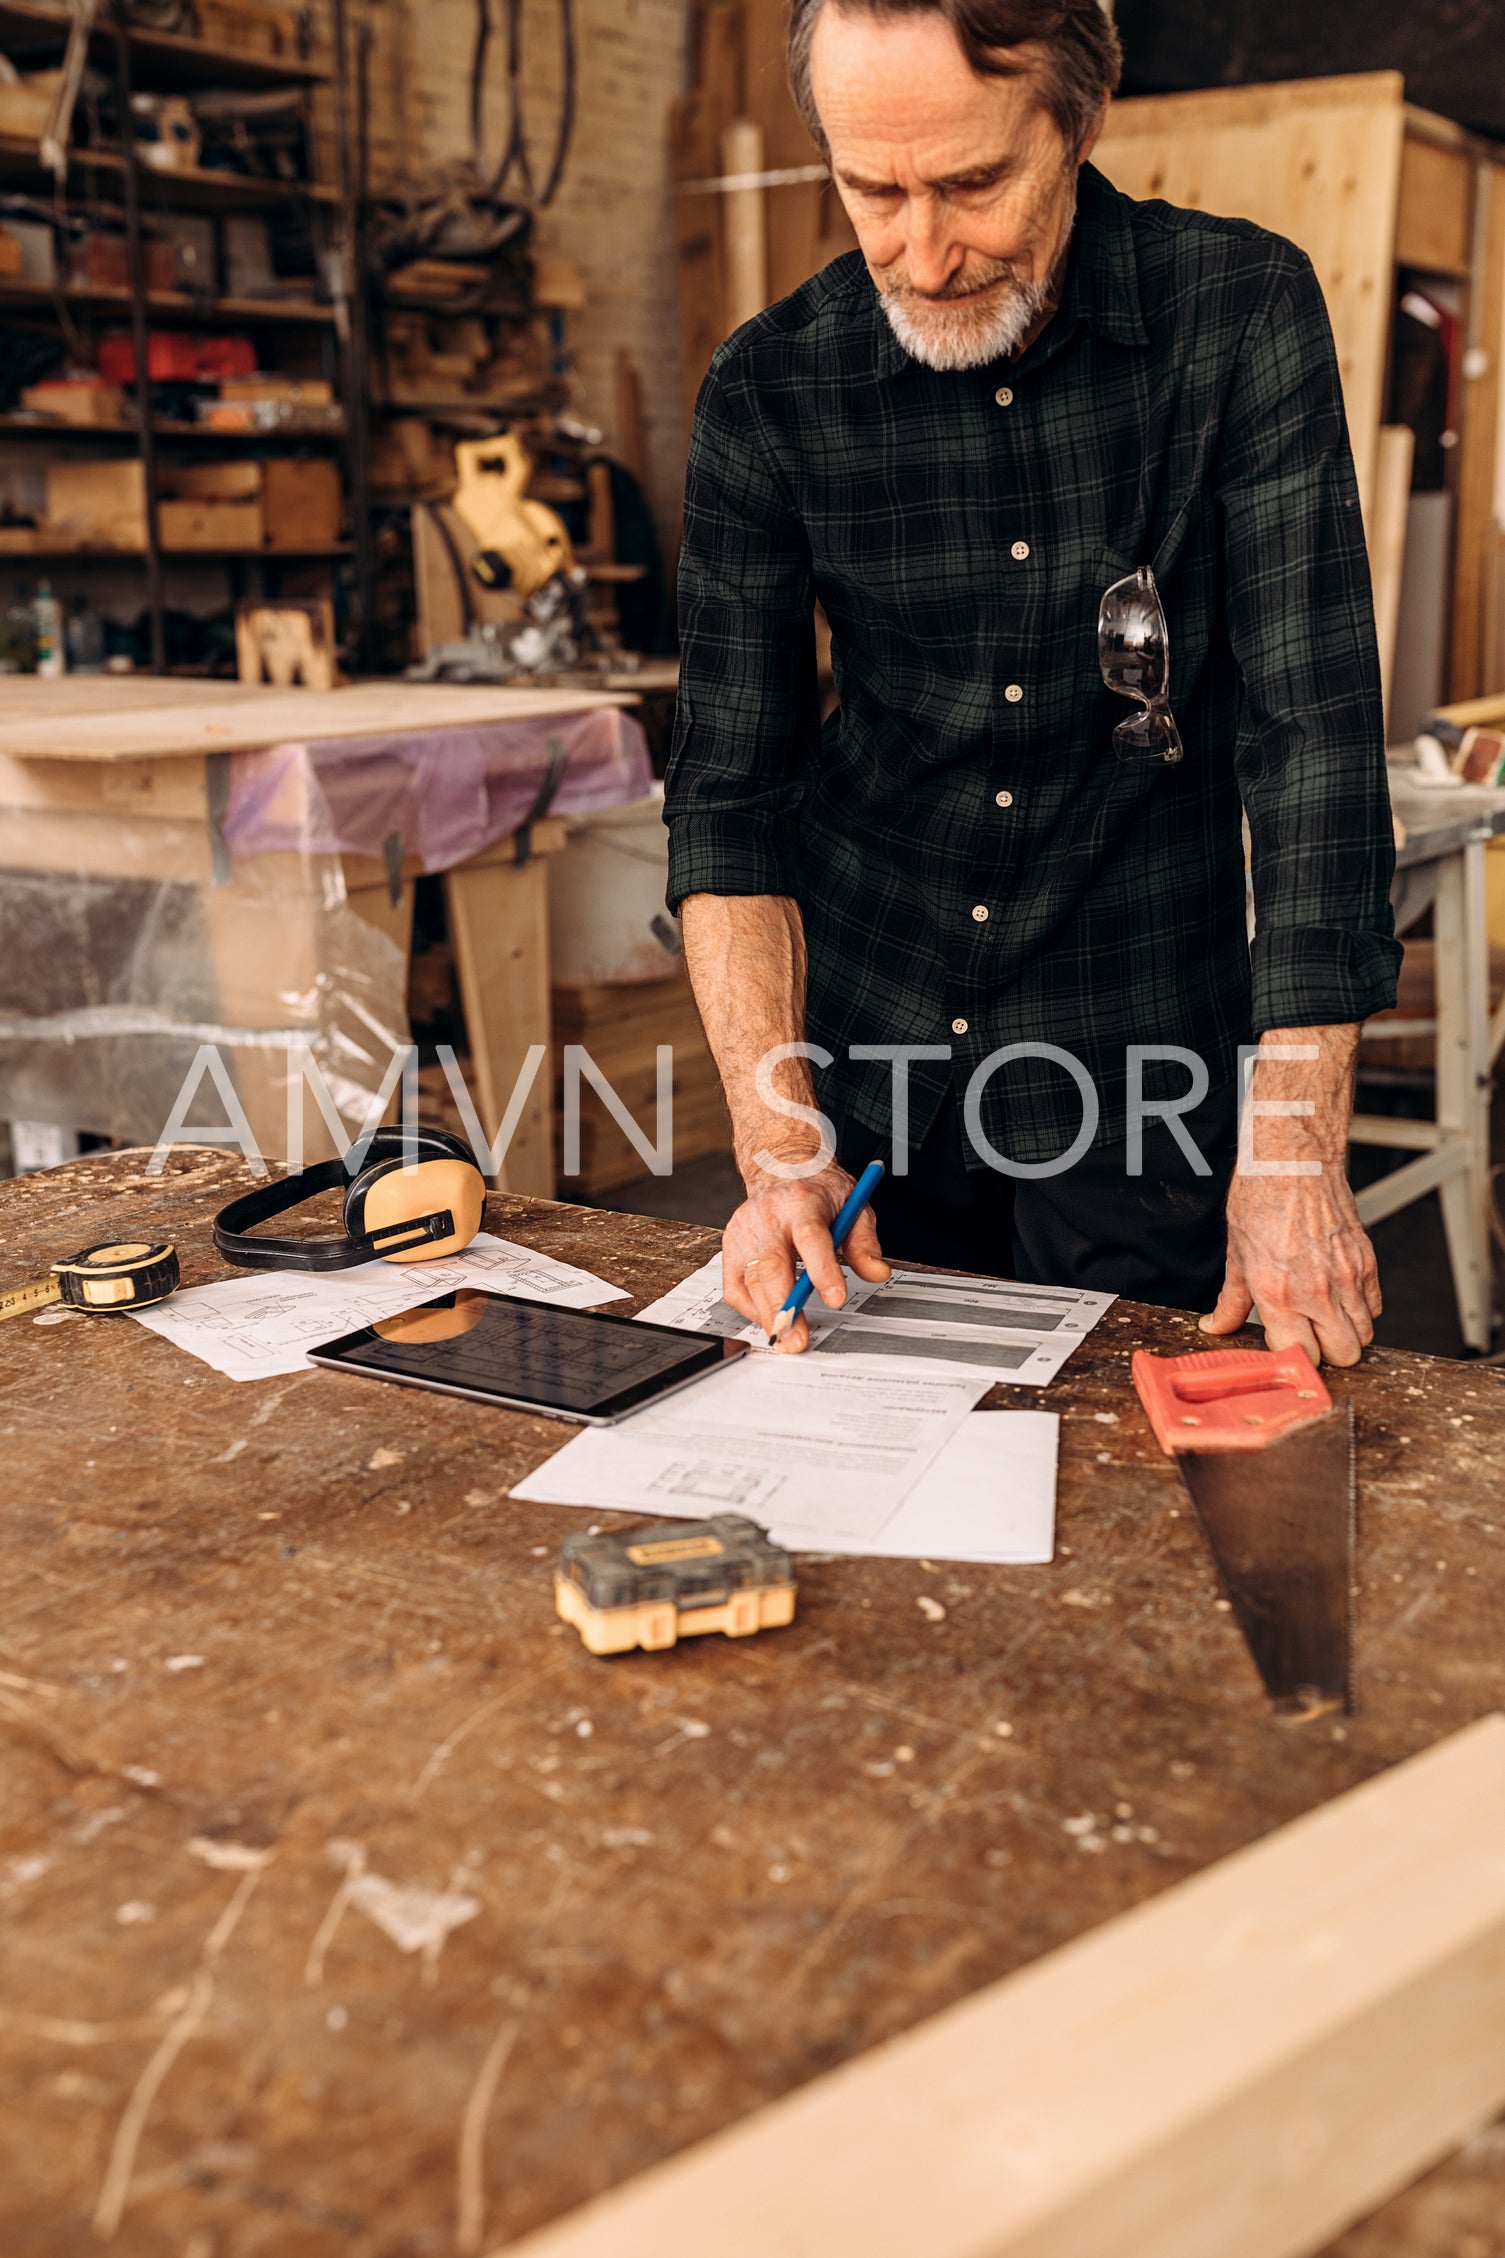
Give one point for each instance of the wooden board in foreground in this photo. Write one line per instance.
(1242, 2066)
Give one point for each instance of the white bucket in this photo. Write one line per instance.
(607, 920)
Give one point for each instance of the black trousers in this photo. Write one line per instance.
(1157, 1237)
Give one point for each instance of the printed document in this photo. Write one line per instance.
(1020, 1335)
(829, 1448)
(989, 1497)
(263, 1323)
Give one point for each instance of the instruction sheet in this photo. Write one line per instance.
(1021, 1335)
(264, 1322)
(826, 1448)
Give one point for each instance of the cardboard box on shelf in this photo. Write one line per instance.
(75, 399)
(279, 504)
(303, 503)
(26, 104)
(101, 261)
(190, 236)
(190, 524)
(243, 25)
(301, 391)
(38, 250)
(249, 272)
(97, 504)
(294, 504)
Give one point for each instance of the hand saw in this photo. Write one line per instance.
(1268, 1460)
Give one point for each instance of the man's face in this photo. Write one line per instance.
(960, 187)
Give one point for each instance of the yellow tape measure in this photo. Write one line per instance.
(122, 1274)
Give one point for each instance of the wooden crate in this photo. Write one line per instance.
(621, 1028)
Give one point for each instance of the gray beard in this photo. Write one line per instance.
(961, 336)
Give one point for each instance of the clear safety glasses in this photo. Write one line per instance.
(1133, 650)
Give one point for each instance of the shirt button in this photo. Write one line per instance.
(958, 1027)
(1019, 551)
(1004, 799)
(1013, 693)
(980, 914)
(1004, 396)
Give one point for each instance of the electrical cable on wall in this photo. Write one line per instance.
(515, 157)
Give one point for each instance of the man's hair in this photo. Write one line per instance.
(1080, 70)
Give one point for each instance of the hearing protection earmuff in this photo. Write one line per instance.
(392, 1212)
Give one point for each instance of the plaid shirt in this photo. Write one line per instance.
(975, 866)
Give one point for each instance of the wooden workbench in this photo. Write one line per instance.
(301, 1621)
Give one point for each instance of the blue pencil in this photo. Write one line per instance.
(851, 1207)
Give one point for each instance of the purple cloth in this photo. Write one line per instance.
(444, 793)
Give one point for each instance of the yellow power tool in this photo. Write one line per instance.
(523, 544)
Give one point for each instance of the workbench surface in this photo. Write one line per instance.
(261, 1645)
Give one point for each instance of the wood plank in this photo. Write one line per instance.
(1387, 540)
(255, 719)
(1435, 222)
(379, 1666)
(499, 931)
(1478, 442)
(744, 225)
(147, 788)
(1245, 2066)
(1316, 160)
(27, 697)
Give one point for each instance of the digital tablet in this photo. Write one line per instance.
(562, 1363)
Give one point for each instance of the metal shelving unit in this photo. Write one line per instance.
(139, 59)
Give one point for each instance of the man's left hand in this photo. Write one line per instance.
(1297, 1252)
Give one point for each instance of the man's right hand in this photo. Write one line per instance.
(781, 1224)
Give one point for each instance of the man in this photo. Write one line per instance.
(1022, 389)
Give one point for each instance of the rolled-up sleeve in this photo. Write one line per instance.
(1311, 749)
(748, 719)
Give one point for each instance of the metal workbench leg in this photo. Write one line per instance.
(1463, 1080)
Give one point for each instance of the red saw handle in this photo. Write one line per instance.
(1202, 1402)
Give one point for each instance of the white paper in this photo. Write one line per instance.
(989, 1496)
(695, 1306)
(1020, 1335)
(264, 1322)
(831, 1447)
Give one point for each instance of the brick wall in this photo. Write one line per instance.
(612, 213)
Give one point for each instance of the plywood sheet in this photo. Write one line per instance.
(1470, 672)
(1436, 217)
(243, 721)
(1317, 161)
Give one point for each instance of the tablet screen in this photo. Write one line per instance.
(568, 1363)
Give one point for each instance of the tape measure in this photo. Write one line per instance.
(121, 1274)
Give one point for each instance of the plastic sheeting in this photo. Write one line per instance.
(442, 796)
(134, 941)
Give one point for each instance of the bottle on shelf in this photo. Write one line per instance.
(86, 638)
(18, 634)
(52, 654)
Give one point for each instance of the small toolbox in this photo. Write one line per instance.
(650, 1587)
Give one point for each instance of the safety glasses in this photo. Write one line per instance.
(1133, 650)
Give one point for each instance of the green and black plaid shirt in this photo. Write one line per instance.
(975, 866)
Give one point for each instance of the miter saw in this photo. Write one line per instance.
(523, 550)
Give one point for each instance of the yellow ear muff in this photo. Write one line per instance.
(399, 1194)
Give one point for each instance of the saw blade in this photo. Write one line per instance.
(1280, 1522)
